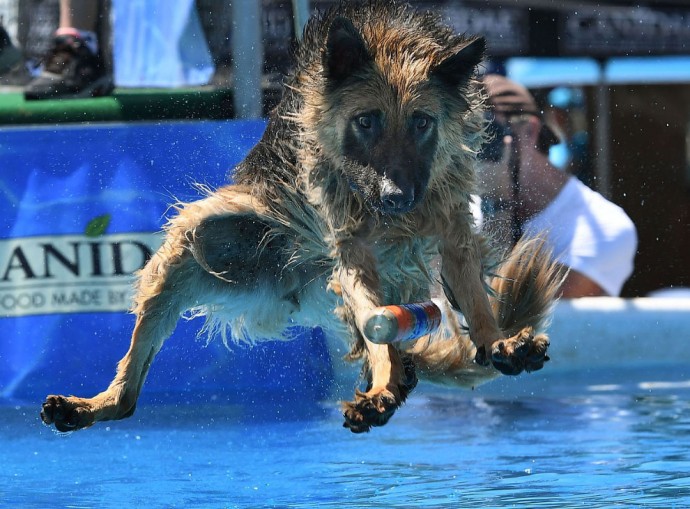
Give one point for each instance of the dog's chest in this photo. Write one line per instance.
(405, 266)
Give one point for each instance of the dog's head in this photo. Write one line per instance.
(389, 92)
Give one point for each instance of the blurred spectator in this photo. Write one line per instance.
(73, 67)
(160, 44)
(524, 193)
(12, 68)
(566, 109)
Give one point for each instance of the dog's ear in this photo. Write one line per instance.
(457, 69)
(345, 52)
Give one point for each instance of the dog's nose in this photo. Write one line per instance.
(396, 200)
(397, 203)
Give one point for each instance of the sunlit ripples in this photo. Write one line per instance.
(621, 441)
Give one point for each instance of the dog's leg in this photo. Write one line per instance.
(464, 285)
(164, 284)
(526, 287)
(205, 259)
(390, 380)
(463, 278)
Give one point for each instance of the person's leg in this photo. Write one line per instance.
(79, 14)
(80, 18)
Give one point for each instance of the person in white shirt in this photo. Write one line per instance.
(522, 190)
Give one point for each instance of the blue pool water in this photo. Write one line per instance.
(604, 438)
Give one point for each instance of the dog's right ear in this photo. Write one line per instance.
(345, 51)
(456, 70)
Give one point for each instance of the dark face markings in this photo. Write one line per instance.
(389, 163)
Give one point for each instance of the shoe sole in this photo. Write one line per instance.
(99, 88)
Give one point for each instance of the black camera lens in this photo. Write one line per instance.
(492, 150)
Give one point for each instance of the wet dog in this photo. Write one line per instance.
(361, 183)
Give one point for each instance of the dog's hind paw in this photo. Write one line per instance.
(66, 414)
(522, 352)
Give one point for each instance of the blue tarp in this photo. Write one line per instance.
(80, 208)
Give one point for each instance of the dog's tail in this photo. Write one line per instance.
(526, 286)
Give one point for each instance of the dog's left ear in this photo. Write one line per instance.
(457, 69)
(345, 51)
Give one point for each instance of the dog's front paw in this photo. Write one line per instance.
(66, 413)
(369, 409)
(522, 352)
(376, 407)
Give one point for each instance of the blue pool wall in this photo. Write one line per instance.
(54, 181)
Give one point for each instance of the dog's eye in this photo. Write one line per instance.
(422, 122)
(364, 121)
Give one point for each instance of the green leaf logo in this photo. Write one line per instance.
(97, 226)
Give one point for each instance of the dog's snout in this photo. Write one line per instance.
(396, 200)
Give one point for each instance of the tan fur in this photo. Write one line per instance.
(292, 243)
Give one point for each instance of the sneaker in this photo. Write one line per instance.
(70, 70)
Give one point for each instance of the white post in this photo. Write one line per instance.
(300, 15)
(247, 58)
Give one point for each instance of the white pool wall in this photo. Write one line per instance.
(607, 331)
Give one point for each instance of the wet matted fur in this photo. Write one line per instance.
(358, 195)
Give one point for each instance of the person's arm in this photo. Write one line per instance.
(578, 285)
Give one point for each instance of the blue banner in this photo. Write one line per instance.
(81, 208)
